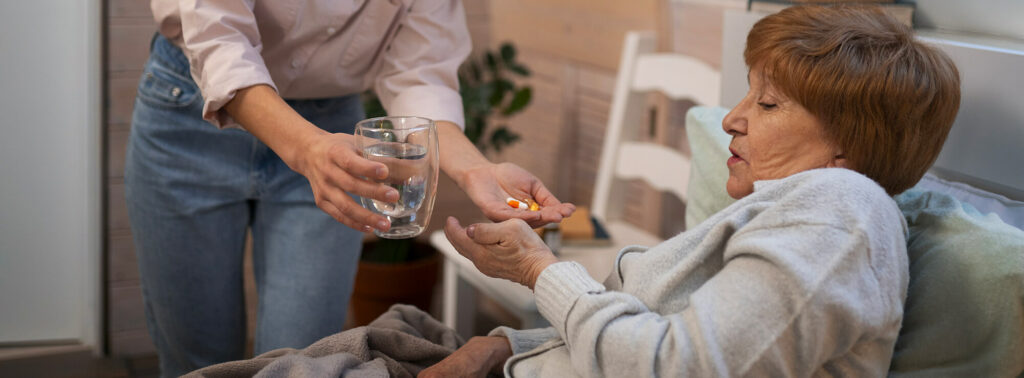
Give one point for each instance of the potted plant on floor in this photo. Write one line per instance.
(406, 270)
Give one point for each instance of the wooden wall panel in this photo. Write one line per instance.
(541, 125)
(130, 27)
(587, 32)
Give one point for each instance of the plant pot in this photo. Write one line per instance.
(380, 285)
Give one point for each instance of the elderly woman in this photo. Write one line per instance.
(804, 275)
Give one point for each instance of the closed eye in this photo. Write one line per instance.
(767, 106)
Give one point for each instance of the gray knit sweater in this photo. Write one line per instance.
(804, 277)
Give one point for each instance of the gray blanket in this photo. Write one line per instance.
(399, 343)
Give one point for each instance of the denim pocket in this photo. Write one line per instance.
(162, 87)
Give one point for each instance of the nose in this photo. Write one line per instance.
(735, 123)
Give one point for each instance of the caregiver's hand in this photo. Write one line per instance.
(480, 355)
(330, 162)
(489, 185)
(509, 250)
(333, 166)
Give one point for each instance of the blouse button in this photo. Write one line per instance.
(296, 63)
(331, 30)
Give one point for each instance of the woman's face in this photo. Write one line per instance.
(773, 137)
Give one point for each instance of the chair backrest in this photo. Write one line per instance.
(641, 70)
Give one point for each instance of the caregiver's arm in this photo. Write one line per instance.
(330, 162)
(489, 184)
(418, 76)
(222, 43)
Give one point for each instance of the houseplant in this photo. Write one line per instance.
(406, 270)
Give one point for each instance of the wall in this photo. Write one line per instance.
(994, 17)
(130, 27)
(50, 152)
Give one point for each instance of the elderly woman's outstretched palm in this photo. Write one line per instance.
(509, 250)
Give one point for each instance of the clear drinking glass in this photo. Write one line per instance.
(408, 146)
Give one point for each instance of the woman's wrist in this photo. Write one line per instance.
(459, 157)
(295, 154)
(262, 112)
(500, 353)
(537, 268)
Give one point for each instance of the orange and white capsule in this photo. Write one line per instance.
(517, 204)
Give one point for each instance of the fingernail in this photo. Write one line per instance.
(471, 230)
(382, 225)
(391, 195)
(380, 172)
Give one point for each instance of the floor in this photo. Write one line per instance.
(71, 361)
(78, 361)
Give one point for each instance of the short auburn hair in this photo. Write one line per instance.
(887, 100)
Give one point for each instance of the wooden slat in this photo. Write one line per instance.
(129, 9)
(117, 208)
(589, 32)
(678, 77)
(128, 43)
(125, 307)
(121, 89)
(135, 342)
(122, 265)
(697, 31)
(663, 168)
(117, 140)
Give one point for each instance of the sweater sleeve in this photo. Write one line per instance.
(792, 294)
(525, 340)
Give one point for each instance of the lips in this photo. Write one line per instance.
(735, 158)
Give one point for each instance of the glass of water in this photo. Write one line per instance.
(408, 146)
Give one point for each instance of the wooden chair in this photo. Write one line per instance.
(641, 70)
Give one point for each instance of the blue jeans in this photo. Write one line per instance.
(193, 191)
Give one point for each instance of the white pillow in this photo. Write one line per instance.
(1009, 211)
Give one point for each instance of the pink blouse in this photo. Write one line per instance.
(408, 51)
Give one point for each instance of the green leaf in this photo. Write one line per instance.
(372, 105)
(519, 101)
(475, 129)
(502, 137)
(474, 70)
(519, 69)
(501, 87)
(488, 92)
(388, 251)
(508, 53)
(492, 63)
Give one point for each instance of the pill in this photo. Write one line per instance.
(534, 206)
(516, 204)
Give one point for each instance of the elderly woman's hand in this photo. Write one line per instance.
(509, 250)
(480, 356)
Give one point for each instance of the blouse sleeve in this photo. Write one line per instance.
(419, 72)
(222, 43)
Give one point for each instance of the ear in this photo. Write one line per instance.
(839, 161)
